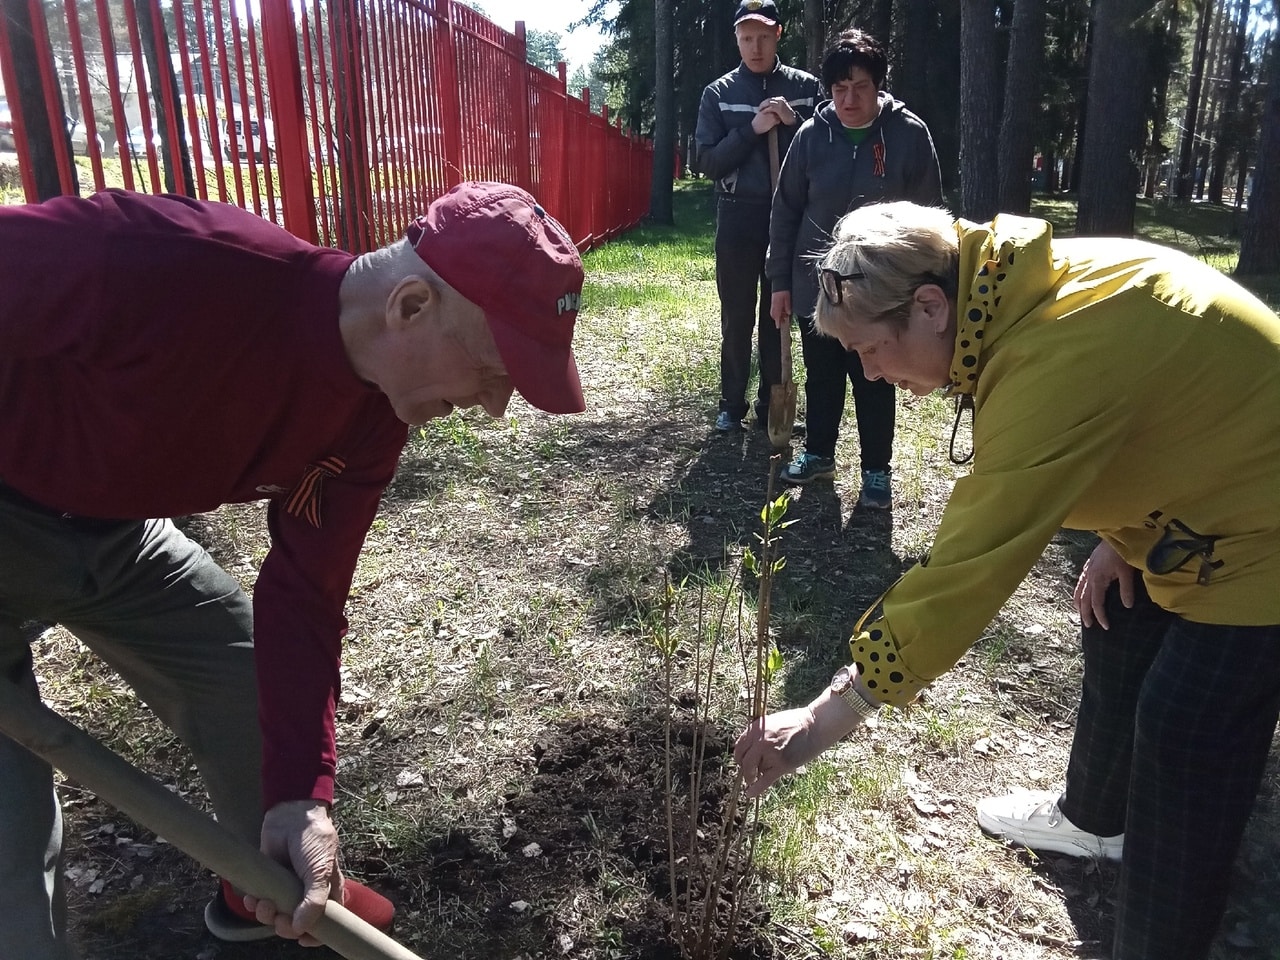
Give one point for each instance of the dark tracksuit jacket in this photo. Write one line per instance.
(737, 159)
(824, 177)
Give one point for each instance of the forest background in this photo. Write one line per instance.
(1107, 100)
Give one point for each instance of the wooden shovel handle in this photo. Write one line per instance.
(79, 756)
(775, 165)
(785, 331)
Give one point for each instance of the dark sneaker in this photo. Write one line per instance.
(876, 492)
(725, 422)
(227, 919)
(808, 466)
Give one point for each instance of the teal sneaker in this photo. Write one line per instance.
(809, 466)
(876, 494)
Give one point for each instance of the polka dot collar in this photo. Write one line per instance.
(1009, 255)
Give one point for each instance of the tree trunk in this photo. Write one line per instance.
(911, 85)
(1229, 135)
(979, 169)
(815, 35)
(1073, 170)
(1260, 239)
(1113, 139)
(880, 21)
(664, 124)
(1186, 153)
(164, 98)
(39, 126)
(1021, 100)
(1157, 153)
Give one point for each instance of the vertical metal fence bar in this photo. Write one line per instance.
(227, 122)
(245, 113)
(322, 151)
(386, 133)
(285, 143)
(84, 91)
(447, 89)
(269, 126)
(213, 119)
(371, 109)
(331, 135)
(197, 136)
(144, 100)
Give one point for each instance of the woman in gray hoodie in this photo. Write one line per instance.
(860, 147)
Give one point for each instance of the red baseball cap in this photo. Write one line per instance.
(497, 247)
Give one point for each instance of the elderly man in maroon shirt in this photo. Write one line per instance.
(161, 356)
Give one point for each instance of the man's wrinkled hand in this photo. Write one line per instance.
(300, 835)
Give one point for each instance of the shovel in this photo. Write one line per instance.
(782, 396)
(79, 756)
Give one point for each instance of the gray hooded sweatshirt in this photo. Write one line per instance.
(824, 176)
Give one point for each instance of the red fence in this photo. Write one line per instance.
(340, 119)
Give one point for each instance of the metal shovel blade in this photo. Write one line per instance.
(782, 398)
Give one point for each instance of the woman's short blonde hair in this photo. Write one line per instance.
(894, 248)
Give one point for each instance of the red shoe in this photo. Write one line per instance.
(227, 919)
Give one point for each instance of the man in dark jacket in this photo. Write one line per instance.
(861, 146)
(760, 101)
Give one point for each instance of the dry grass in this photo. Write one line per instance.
(501, 685)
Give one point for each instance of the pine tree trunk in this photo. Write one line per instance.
(1229, 134)
(1118, 82)
(979, 168)
(815, 35)
(880, 21)
(1186, 153)
(1021, 98)
(1260, 239)
(164, 97)
(664, 121)
(911, 84)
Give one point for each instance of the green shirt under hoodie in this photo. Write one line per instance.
(1119, 387)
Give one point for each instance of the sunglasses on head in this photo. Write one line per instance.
(832, 283)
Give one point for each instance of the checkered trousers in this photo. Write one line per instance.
(1176, 721)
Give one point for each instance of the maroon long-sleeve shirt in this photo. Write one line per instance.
(161, 356)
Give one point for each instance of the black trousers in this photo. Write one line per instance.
(1176, 721)
(826, 365)
(742, 237)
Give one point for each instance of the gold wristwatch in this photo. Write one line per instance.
(844, 685)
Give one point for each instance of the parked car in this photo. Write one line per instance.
(6, 127)
(261, 141)
(137, 141)
(80, 137)
(77, 130)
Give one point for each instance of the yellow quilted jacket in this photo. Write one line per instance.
(1119, 387)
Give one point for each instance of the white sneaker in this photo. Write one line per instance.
(1032, 819)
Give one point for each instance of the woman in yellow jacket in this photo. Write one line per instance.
(1117, 387)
